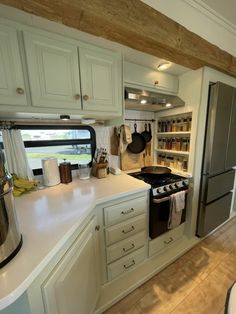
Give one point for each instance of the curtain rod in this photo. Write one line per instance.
(141, 120)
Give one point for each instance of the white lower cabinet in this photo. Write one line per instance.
(126, 234)
(73, 285)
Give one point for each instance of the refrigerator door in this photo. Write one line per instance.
(217, 128)
(213, 214)
(231, 150)
(219, 185)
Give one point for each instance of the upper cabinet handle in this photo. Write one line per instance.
(85, 97)
(77, 96)
(20, 91)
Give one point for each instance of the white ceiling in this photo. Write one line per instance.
(225, 8)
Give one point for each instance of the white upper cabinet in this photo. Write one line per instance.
(53, 72)
(100, 80)
(12, 86)
(138, 75)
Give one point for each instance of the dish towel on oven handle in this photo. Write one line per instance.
(177, 204)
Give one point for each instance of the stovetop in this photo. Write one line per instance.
(157, 180)
(162, 184)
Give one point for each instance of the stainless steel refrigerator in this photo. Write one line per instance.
(217, 176)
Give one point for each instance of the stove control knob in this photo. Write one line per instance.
(166, 188)
(179, 184)
(173, 186)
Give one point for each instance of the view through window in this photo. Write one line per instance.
(73, 144)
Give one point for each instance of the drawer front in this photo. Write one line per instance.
(125, 210)
(124, 230)
(220, 185)
(126, 246)
(126, 263)
(165, 240)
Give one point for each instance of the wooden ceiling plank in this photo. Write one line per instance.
(136, 25)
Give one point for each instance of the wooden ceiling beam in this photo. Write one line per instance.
(134, 24)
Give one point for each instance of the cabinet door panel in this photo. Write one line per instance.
(11, 73)
(73, 286)
(100, 80)
(53, 71)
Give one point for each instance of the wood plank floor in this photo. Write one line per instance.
(196, 283)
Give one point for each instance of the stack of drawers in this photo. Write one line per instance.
(125, 235)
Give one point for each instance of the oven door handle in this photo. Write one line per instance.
(161, 200)
(164, 199)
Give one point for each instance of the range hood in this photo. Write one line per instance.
(139, 99)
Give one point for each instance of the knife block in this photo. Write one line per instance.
(99, 170)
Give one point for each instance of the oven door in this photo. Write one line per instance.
(159, 215)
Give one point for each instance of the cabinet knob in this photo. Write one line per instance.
(97, 227)
(20, 91)
(77, 96)
(85, 97)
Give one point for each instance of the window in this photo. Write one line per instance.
(76, 144)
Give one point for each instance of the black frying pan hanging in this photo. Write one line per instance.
(147, 134)
(138, 143)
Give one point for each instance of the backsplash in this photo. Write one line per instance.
(103, 133)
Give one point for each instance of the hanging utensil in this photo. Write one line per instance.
(138, 143)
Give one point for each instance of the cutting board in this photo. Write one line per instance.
(129, 161)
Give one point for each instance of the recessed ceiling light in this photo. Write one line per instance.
(64, 117)
(143, 101)
(168, 105)
(163, 66)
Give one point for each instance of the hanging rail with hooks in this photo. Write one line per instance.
(141, 120)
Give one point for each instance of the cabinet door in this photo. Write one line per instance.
(53, 72)
(100, 80)
(231, 151)
(73, 286)
(12, 87)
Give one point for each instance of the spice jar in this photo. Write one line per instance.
(185, 164)
(159, 126)
(173, 126)
(173, 143)
(184, 146)
(168, 126)
(185, 125)
(160, 143)
(168, 143)
(171, 162)
(163, 143)
(178, 125)
(189, 123)
(178, 143)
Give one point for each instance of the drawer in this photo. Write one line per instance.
(126, 246)
(125, 210)
(165, 240)
(124, 230)
(126, 263)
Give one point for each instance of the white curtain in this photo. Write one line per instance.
(16, 158)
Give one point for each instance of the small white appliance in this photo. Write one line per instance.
(51, 175)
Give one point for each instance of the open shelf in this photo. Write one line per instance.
(172, 152)
(173, 133)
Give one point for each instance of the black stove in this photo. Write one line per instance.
(162, 183)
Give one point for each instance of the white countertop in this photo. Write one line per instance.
(48, 217)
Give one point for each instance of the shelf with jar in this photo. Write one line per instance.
(175, 124)
(179, 144)
(173, 161)
(173, 152)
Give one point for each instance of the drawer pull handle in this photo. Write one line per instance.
(130, 265)
(170, 240)
(130, 248)
(127, 211)
(131, 229)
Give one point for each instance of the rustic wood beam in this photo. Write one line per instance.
(136, 25)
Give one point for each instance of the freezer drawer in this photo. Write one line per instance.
(220, 185)
(213, 215)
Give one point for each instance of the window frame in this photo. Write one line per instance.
(41, 143)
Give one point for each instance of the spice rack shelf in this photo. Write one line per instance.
(173, 136)
(173, 133)
(172, 152)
